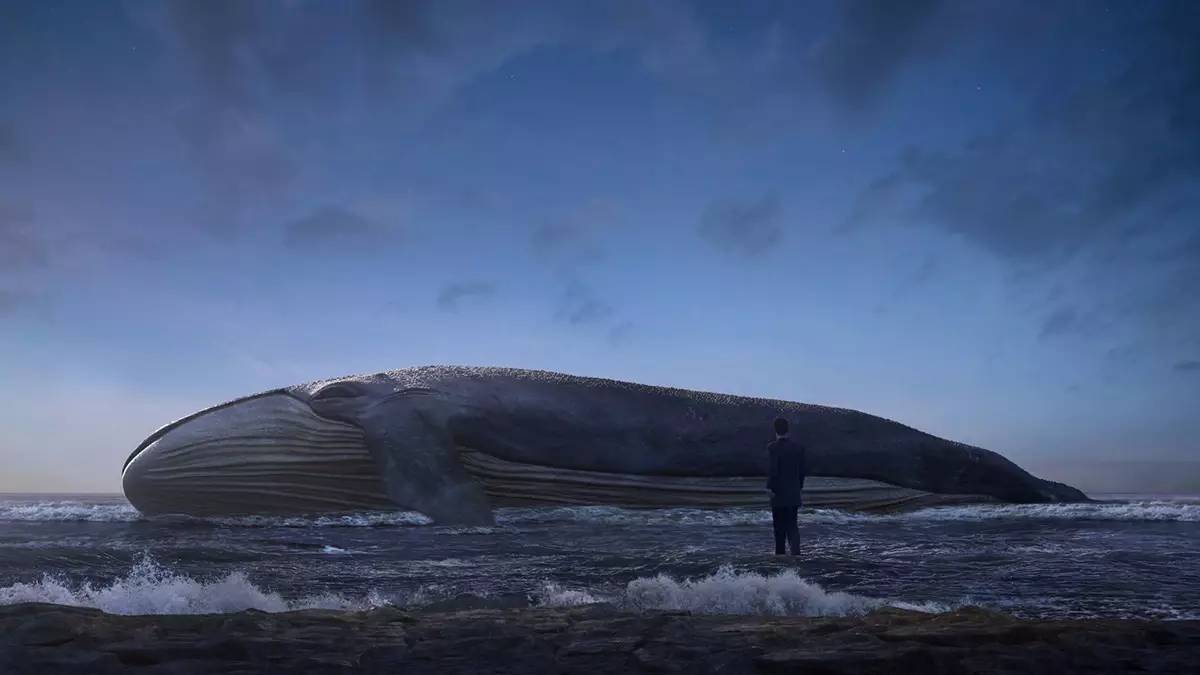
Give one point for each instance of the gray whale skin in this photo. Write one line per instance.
(453, 442)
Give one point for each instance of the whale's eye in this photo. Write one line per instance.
(338, 390)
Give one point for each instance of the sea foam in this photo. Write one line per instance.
(78, 511)
(150, 588)
(1153, 510)
(1140, 510)
(728, 591)
(367, 519)
(67, 511)
(615, 515)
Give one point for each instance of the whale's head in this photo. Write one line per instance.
(341, 445)
(292, 450)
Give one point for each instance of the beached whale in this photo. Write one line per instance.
(452, 442)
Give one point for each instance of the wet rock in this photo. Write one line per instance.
(53, 640)
(45, 631)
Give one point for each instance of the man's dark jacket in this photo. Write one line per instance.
(786, 477)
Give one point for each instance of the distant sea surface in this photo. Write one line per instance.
(1126, 556)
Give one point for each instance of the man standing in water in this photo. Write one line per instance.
(785, 481)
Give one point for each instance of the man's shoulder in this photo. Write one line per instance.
(789, 445)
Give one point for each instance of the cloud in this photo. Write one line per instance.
(214, 33)
(579, 305)
(28, 248)
(252, 73)
(560, 239)
(1094, 182)
(12, 150)
(1062, 321)
(1190, 366)
(568, 244)
(1076, 166)
(620, 333)
(1070, 321)
(403, 26)
(422, 50)
(452, 295)
(20, 246)
(427, 50)
(12, 301)
(873, 42)
(331, 225)
(746, 228)
(243, 159)
(576, 237)
(228, 50)
(929, 268)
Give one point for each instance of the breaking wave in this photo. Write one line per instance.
(728, 591)
(150, 588)
(66, 511)
(554, 595)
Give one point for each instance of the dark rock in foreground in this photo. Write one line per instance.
(49, 639)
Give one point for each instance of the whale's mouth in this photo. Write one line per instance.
(266, 454)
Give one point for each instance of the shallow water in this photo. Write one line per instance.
(1134, 556)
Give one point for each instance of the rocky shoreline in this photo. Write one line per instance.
(51, 639)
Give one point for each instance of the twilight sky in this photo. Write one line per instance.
(979, 218)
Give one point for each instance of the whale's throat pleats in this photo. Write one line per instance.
(516, 484)
(270, 455)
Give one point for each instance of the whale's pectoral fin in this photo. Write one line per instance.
(418, 464)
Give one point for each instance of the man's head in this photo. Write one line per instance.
(781, 426)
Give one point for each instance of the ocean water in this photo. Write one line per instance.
(1127, 556)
